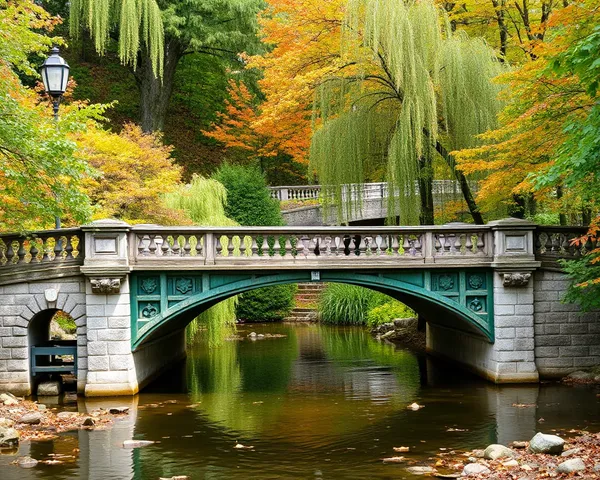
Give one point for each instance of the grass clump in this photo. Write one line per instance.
(343, 304)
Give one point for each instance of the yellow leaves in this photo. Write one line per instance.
(134, 170)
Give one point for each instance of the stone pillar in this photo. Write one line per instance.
(514, 262)
(111, 370)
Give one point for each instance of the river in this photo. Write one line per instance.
(314, 402)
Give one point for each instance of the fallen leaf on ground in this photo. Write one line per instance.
(401, 449)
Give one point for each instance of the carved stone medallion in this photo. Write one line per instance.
(149, 285)
(446, 282)
(475, 282)
(183, 285)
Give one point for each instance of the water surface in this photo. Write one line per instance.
(320, 402)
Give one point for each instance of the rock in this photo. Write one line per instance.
(41, 407)
(478, 453)
(89, 422)
(49, 389)
(420, 470)
(8, 399)
(260, 335)
(26, 462)
(581, 376)
(252, 334)
(472, 459)
(118, 410)
(519, 444)
(495, 451)
(66, 415)
(542, 443)
(6, 423)
(137, 443)
(32, 418)
(9, 437)
(571, 465)
(511, 463)
(474, 469)
(570, 452)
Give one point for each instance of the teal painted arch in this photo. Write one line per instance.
(175, 299)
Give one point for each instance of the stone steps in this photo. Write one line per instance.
(308, 293)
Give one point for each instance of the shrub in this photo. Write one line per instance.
(250, 204)
(387, 312)
(65, 322)
(267, 304)
(343, 304)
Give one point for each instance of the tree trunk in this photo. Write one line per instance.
(465, 188)
(155, 93)
(562, 218)
(426, 191)
(499, 6)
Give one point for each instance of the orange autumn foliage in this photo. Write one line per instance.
(539, 103)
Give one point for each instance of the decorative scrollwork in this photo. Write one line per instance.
(149, 285)
(446, 282)
(149, 311)
(183, 285)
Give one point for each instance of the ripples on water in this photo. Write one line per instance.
(320, 403)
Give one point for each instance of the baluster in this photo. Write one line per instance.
(555, 244)
(21, 253)
(45, 250)
(69, 248)
(458, 243)
(264, 249)
(480, 244)
(187, 248)
(538, 243)
(336, 245)
(58, 247)
(243, 246)
(469, 244)
(164, 245)
(288, 247)
(230, 246)
(219, 248)
(418, 245)
(381, 244)
(200, 247)
(176, 248)
(406, 244)
(564, 246)
(395, 245)
(10, 252)
(254, 247)
(141, 247)
(33, 250)
(152, 245)
(276, 247)
(548, 243)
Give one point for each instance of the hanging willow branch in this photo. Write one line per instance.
(419, 84)
(139, 22)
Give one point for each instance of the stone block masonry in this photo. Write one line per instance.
(566, 339)
(20, 304)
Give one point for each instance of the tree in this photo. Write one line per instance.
(39, 172)
(541, 128)
(404, 74)
(212, 27)
(135, 170)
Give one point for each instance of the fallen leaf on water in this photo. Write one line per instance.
(239, 446)
(457, 430)
(524, 405)
(256, 403)
(541, 420)
(393, 460)
(415, 406)
(443, 449)
(401, 449)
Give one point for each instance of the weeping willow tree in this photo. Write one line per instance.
(139, 22)
(413, 92)
(204, 201)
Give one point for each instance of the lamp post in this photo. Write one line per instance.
(55, 75)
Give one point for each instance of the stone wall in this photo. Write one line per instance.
(19, 305)
(565, 339)
(153, 358)
(510, 359)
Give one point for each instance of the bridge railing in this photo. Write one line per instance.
(274, 246)
(553, 243)
(366, 191)
(44, 249)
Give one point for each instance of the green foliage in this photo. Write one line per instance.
(411, 76)
(249, 201)
(267, 304)
(387, 312)
(343, 304)
(65, 322)
(204, 201)
(585, 287)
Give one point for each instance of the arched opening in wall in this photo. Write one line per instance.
(53, 352)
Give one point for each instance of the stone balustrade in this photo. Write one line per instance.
(275, 246)
(552, 243)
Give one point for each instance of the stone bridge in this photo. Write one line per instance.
(369, 202)
(490, 294)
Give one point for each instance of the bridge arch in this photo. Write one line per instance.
(416, 289)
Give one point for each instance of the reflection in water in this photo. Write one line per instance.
(322, 402)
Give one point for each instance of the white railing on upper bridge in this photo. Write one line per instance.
(365, 191)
